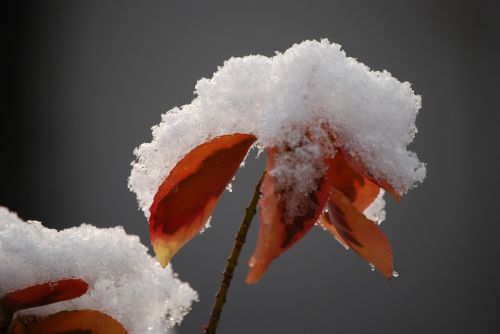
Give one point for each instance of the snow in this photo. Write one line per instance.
(125, 282)
(312, 88)
(376, 210)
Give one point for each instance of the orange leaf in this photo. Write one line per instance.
(276, 235)
(361, 234)
(325, 223)
(190, 192)
(70, 322)
(43, 294)
(359, 189)
(361, 170)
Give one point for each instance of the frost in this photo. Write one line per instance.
(125, 282)
(288, 101)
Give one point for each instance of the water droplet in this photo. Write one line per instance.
(372, 267)
(395, 274)
(229, 187)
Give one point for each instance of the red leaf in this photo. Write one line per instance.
(361, 234)
(353, 178)
(325, 223)
(359, 189)
(276, 235)
(43, 294)
(71, 322)
(190, 192)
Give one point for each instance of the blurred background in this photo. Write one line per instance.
(85, 81)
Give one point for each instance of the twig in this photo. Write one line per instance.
(232, 261)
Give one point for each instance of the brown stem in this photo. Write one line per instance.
(232, 261)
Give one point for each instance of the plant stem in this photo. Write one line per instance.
(232, 260)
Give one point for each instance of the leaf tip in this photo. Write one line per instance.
(164, 251)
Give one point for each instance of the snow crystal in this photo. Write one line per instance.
(288, 101)
(376, 210)
(124, 281)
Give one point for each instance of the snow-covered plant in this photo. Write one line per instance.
(84, 279)
(336, 136)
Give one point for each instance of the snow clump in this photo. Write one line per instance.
(293, 100)
(124, 281)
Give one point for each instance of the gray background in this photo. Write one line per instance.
(87, 79)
